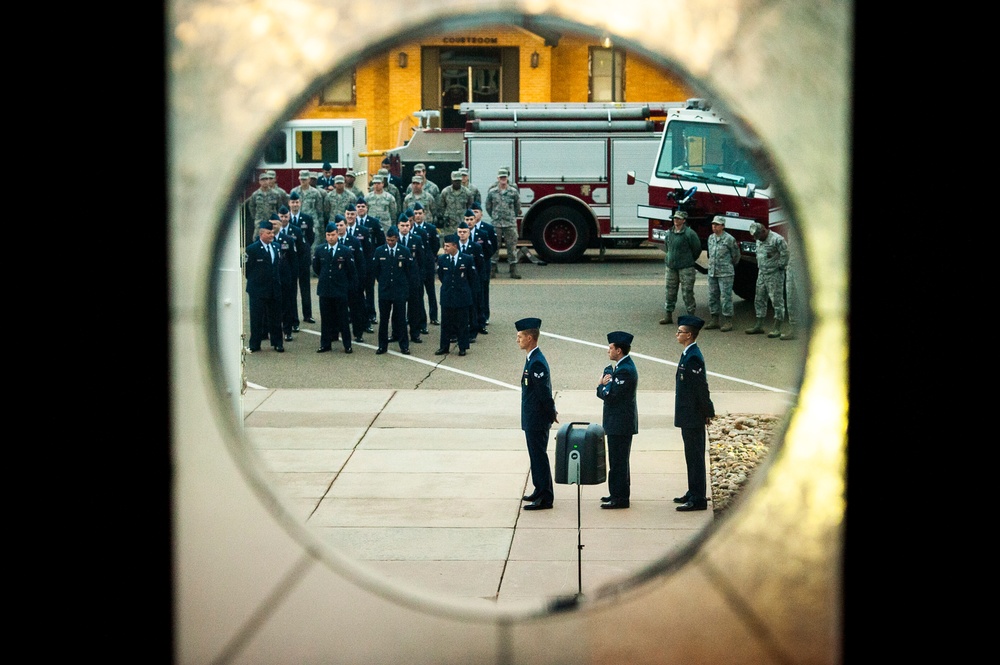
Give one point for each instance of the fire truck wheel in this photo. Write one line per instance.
(560, 235)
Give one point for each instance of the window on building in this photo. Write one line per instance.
(340, 92)
(607, 74)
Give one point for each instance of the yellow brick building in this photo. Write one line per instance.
(485, 64)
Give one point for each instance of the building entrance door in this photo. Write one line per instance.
(468, 75)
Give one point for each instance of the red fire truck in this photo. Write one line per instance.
(568, 160)
(702, 169)
(308, 144)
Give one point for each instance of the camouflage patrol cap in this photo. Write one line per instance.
(377, 178)
(679, 214)
(504, 172)
(305, 173)
(463, 171)
(383, 171)
(456, 175)
(271, 174)
(350, 174)
(338, 178)
(417, 178)
(719, 219)
(419, 167)
(755, 228)
(263, 176)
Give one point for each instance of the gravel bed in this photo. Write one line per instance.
(737, 443)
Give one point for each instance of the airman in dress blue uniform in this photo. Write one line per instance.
(617, 389)
(693, 410)
(538, 412)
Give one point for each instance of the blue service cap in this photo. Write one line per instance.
(527, 324)
(402, 217)
(339, 218)
(266, 225)
(294, 196)
(331, 227)
(476, 206)
(462, 225)
(350, 206)
(327, 166)
(283, 210)
(361, 200)
(691, 321)
(619, 337)
(469, 213)
(452, 238)
(417, 206)
(274, 217)
(392, 232)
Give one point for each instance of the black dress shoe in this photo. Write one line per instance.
(406, 352)
(288, 337)
(482, 331)
(425, 331)
(615, 503)
(461, 352)
(279, 349)
(442, 352)
(295, 329)
(249, 350)
(359, 338)
(435, 322)
(323, 349)
(309, 319)
(369, 329)
(416, 340)
(530, 497)
(380, 351)
(348, 350)
(605, 498)
(682, 499)
(538, 504)
(693, 505)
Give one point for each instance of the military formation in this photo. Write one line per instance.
(776, 274)
(398, 260)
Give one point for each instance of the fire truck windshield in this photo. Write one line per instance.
(705, 152)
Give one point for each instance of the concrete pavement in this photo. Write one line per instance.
(424, 487)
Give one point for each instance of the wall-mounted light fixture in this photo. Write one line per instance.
(606, 41)
(403, 59)
(534, 60)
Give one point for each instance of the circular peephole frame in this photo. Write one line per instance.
(371, 578)
(793, 513)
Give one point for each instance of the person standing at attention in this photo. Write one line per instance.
(693, 411)
(621, 416)
(538, 412)
(723, 257)
(683, 247)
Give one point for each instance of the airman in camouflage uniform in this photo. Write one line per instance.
(265, 201)
(391, 188)
(452, 203)
(429, 185)
(503, 205)
(473, 190)
(338, 198)
(723, 255)
(312, 199)
(418, 194)
(772, 259)
(381, 204)
(349, 179)
(792, 303)
(683, 247)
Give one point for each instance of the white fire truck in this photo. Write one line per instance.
(702, 169)
(568, 160)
